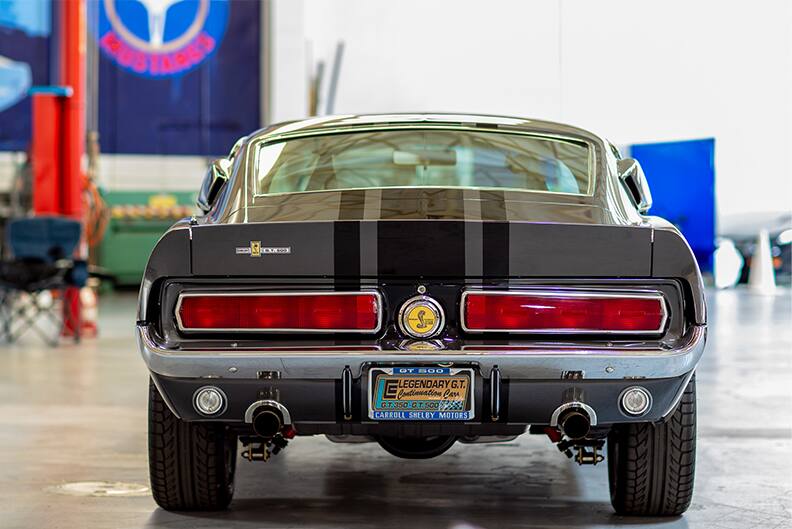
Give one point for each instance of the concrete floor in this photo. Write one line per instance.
(78, 413)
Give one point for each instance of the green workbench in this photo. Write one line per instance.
(137, 220)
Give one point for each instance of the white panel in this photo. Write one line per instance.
(661, 71)
(635, 71)
(9, 163)
(448, 55)
(289, 61)
(130, 172)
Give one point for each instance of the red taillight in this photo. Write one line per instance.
(278, 312)
(563, 312)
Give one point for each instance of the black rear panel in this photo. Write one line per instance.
(423, 249)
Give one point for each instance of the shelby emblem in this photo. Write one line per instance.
(256, 250)
(421, 317)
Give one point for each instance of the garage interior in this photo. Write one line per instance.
(117, 138)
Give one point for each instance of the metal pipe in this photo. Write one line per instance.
(575, 423)
(268, 417)
(267, 422)
(574, 418)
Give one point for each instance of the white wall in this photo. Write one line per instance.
(652, 70)
(290, 61)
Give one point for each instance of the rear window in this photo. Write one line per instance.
(424, 158)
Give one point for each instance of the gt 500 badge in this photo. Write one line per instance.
(256, 250)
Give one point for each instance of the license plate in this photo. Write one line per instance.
(421, 394)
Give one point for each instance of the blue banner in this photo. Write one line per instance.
(177, 76)
(25, 27)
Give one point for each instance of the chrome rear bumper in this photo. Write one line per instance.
(535, 362)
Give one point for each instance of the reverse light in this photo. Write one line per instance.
(209, 400)
(636, 400)
(564, 312)
(328, 312)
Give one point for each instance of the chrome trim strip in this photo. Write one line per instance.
(274, 138)
(495, 393)
(166, 399)
(574, 404)
(269, 403)
(680, 393)
(192, 294)
(577, 293)
(346, 393)
(536, 362)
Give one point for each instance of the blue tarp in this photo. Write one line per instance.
(681, 175)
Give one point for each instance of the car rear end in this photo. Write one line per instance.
(419, 316)
(545, 324)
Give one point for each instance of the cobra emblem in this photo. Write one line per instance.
(420, 317)
(421, 323)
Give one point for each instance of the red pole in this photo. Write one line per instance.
(45, 153)
(72, 74)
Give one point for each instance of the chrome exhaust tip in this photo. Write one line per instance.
(267, 422)
(574, 423)
(268, 418)
(574, 419)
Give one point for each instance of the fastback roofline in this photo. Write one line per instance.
(329, 123)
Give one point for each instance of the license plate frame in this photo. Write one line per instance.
(423, 408)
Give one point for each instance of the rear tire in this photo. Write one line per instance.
(191, 464)
(651, 466)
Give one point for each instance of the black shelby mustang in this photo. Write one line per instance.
(417, 280)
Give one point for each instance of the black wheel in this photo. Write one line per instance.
(191, 464)
(651, 466)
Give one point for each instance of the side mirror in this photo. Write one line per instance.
(216, 177)
(632, 177)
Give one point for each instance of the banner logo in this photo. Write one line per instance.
(161, 38)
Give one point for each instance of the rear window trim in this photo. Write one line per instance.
(281, 138)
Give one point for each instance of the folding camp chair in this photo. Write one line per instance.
(35, 276)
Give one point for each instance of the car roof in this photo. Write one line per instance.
(323, 124)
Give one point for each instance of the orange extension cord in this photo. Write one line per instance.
(97, 213)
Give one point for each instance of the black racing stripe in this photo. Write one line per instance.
(445, 203)
(352, 204)
(495, 234)
(422, 203)
(346, 236)
(496, 249)
(420, 249)
(493, 205)
(399, 203)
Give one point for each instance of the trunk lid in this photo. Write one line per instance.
(428, 248)
(430, 233)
